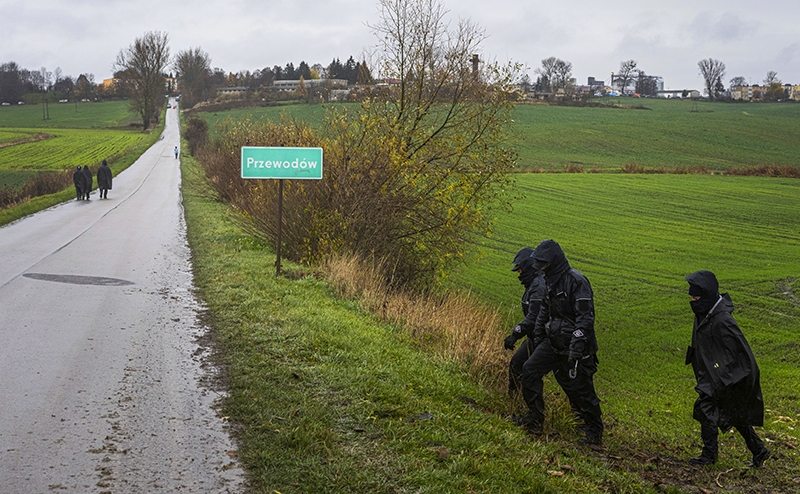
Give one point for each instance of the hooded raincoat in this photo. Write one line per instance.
(727, 375)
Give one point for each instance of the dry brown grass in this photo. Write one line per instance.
(43, 183)
(783, 171)
(453, 325)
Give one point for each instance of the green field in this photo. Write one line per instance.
(669, 134)
(66, 148)
(111, 114)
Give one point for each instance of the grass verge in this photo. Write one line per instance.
(329, 399)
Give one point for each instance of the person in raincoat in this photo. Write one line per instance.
(728, 381)
(104, 179)
(87, 181)
(78, 179)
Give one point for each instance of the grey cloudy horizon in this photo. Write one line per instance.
(666, 39)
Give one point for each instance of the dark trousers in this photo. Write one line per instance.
(515, 369)
(710, 433)
(708, 413)
(580, 390)
(103, 193)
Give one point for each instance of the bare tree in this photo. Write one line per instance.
(193, 67)
(771, 78)
(143, 64)
(625, 75)
(562, 75)
(712, 71)
(554, 73)
(737, 81)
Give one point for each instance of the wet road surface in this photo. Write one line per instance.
(104, 386)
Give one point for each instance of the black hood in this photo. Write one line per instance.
(707, 285)
(549, 252)
(523, 263)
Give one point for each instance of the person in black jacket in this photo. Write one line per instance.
(728, 381)
(87, 181)
(104, 179)
(78, 180)
(533, 281)
(565, 343)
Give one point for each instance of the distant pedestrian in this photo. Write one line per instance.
(87, 184)
(78, 179)
(176, 152)
(104, 179)
(728, 380)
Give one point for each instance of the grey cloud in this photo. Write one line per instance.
(721, 27)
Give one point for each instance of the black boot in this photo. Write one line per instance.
(709, 434)
(701, 460)
(529, 422)
(758, 459)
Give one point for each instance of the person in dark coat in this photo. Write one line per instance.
(533, 281)
(728, 381)
(104, 179)
(78, 180)
(87, 184)
(564, 341)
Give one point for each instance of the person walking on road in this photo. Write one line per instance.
(176, 152)
(728, 379)
(104, 179)
(565, 343)
(87, 181)
(78, 179)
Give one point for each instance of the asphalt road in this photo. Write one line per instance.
(104, 380)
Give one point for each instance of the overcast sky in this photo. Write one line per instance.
(665, 38)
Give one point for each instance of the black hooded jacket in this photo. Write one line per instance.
(723, 364)
(104, 176)
(87, 176)
(566, 317)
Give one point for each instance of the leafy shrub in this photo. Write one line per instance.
(196, 133)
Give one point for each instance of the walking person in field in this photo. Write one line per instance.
(565, 343)
(78, 180)
(87, 181)
(104, 179)
(728, 380)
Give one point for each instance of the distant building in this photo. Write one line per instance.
(291, 85)
(678, 93)
(234, 90)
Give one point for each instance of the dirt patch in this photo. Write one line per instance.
(786, 288)
(667, 473)
(37, 137)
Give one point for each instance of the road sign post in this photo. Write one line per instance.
(280, 163)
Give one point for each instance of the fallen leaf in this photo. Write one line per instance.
(358, 429)
(557, 473)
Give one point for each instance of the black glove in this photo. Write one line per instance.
(575, 351)
(511, 340)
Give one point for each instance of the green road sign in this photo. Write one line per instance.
(282, 163)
